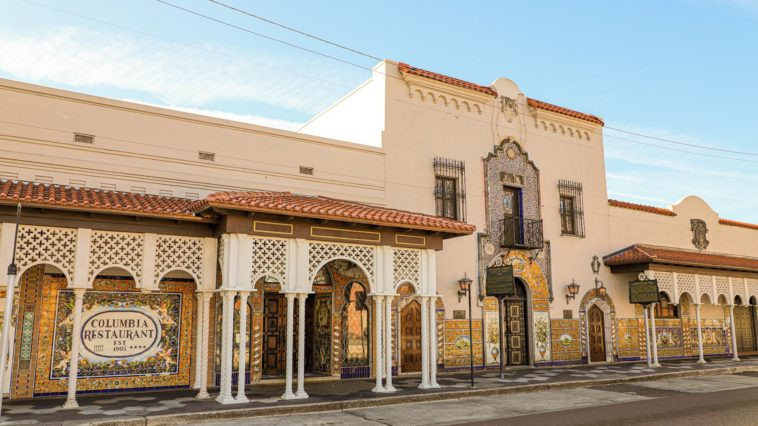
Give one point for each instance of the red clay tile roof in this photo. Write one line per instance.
(643, 253)
(730, 222)
(641, 207)
(534, 103)
(403, 67)
(330, 208)
(49, 195)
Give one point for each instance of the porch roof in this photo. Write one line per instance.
(639, 254)
(320, 207)
(128, 203)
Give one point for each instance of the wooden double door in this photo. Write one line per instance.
(410, 337)
(318, 314)
(514, 328)
(744, 327)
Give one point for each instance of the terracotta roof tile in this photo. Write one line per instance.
(641, 207)
(643, 253)
(330, 208)
(405, 68)
(747, 225)
(49, 195)
(534, 103)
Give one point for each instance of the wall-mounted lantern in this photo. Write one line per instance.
(573, 290)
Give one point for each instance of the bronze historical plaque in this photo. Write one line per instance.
(645, 291)
(459, 314)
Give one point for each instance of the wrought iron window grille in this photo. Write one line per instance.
(450, 188)
(571, 207)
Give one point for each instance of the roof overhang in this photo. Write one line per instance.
(640, 257)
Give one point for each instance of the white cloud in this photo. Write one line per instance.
(174, 74)
(244, 118)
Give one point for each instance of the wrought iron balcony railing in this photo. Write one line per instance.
(522, 233)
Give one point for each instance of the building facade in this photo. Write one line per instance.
(187, 251)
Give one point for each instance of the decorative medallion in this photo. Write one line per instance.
(699, 231)
(489, 249)
(510, 152)
(508, 107)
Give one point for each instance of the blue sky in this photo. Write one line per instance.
(682, 70)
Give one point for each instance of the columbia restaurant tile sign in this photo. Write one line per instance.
(128, 340)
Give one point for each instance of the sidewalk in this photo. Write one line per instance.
(178, 407)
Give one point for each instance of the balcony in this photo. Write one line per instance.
(520, 233)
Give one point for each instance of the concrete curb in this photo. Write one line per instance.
(201, 416)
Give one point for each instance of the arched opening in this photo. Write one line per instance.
(356, 347)
(515, 326)
(744, 326)
(665, 309)
(35, 284)
(409, 314)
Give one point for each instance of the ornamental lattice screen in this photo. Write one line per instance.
(270, 259)
(321, 253)
(38, 244)
(407, 267)
(121, 249)
(183, 253)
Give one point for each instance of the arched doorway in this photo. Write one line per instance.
(595, 318)
(356, 341)
(410, 337)
(515, 327)
(744, 326)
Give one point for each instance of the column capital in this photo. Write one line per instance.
(79, 292)
(228, 292)
(244, 293)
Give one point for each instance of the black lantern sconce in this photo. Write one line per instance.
(464, 287)
(573, 290)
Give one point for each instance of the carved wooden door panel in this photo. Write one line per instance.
(274, 329)
(515, 333)
(597, 334)
(411, 337)
(744, 327)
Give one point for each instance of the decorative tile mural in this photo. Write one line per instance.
(541, 336)
(121, 320)
(457, 343)
(123, 334)
(565, 340)
(631, 337)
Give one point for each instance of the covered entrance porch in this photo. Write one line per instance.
(319, 277)
(707, 305)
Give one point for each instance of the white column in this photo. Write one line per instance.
(388, 344)
(734, 335)
(198, 338)
(204, 323)
(301, 297)
(699, 335)
(227, 347)
(73, 369)
(378, 344)
(424, 343)
(433, 343)
(654, 335)
(647, 337)
(241, 367)
(288, 366)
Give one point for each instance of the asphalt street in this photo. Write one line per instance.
(710, 400)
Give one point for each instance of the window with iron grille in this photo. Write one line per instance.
(571, 208)
(450, 188)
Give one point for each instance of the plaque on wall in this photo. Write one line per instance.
(459, 314)
(644, 291)
(500, 281)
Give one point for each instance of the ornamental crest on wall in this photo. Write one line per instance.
(699, 231)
